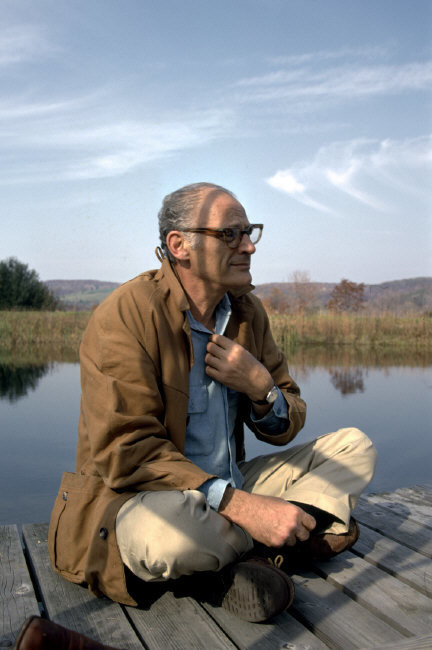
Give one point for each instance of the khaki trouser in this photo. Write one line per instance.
(164, 535)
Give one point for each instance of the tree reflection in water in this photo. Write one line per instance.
(348, 380)
(17, 380)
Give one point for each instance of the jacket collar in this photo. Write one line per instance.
(169, 283)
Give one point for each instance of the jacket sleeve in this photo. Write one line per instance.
(123, 436)
(274, 360)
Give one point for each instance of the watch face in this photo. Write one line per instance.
(272, 395)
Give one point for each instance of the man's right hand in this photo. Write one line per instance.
(269, 520)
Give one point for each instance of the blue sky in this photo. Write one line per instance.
(316, 113)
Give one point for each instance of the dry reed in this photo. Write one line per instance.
(54, 335)
(378, 331)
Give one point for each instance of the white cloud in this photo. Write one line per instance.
(379, 174)
(285, 181)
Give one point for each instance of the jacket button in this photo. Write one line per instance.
(103, 533)
(65, 496)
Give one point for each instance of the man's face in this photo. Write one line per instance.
(213, 261)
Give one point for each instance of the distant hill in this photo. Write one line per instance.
(81, 294)
(412, 294)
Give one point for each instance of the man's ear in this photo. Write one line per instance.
(178, 245)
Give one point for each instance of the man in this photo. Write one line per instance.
(174, 363)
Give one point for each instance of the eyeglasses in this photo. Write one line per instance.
(232, 236)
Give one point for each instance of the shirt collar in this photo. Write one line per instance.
(222, 316)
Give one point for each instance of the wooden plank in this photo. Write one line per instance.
(404, 608)
(283, 631)
(167, 624)
(418, 493)
(17, 596)
(402, 530)
(418, 643)
(403, 507)
(178, 622)
(398, 560)
(73, 606)
(335, 618)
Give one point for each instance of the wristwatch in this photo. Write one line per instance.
(269, 398)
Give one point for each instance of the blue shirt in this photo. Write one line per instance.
(210, 441)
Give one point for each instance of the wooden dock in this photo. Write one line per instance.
(378, 596)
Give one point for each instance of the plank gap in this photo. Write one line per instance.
(134, 627)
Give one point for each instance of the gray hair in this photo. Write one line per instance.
(178, 210)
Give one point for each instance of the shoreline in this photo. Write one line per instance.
(51, 336)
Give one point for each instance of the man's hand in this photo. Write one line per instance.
(235, 367)
(269, 520)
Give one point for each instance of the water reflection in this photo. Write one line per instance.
(348, 380)
(387, 395)
(358, 357)
(17, 380)
(348, 366)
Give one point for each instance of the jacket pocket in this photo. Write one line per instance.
(74, 519)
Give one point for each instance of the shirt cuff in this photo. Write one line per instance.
(276, 420)
(213, 490)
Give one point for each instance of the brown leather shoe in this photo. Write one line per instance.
(318, 547)
(327, 545)
(39, 634)
(254, 590)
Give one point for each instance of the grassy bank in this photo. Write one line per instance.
(58, 334)
(50, 336)
(366, 331)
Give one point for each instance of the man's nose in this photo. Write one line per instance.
(246, 245)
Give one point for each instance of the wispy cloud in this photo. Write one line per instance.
(77, 140)
(13, 111)
(377, 174)
(23, 43)
(317, 57)
(120, 147)
(285, 181)
(312, 78)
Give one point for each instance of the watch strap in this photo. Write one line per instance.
(269, 398)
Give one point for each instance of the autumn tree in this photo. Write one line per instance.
(21, 288)
(304, 291)
(276, 301)
(347, 296)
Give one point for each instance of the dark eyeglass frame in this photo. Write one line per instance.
(231, 236)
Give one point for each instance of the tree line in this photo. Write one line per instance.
(346, 296)
(20, 288)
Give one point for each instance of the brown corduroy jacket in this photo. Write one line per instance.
(136, 355)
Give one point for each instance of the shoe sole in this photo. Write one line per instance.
(257, 593)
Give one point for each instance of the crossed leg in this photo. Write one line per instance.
(164, 535)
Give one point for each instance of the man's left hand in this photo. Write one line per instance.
(232, 365)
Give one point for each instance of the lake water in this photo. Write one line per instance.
(39, 407)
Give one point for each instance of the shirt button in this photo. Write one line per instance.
(103, 533)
